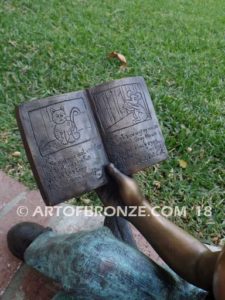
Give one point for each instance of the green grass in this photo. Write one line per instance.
(51, 47)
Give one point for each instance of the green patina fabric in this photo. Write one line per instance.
(96, 265)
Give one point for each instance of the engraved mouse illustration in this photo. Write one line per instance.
(65, 129)
(133, 105)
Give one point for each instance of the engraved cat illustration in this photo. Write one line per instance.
(133, 105)
(65, 129)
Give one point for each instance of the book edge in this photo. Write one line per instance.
(18, 113)
(115, 81)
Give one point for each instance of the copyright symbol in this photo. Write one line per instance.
(22, 211)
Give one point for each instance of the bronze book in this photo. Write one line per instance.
(70, 138)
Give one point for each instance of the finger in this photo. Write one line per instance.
(115, 173)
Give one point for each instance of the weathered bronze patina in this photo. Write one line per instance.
(70, 138)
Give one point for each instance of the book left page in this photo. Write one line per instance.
(63, 145)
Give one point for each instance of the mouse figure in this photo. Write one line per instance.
(133, 105)
(65, 129)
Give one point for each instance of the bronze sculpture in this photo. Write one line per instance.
(98, 266)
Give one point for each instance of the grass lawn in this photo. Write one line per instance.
(52, 47)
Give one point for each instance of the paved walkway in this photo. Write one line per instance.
(17, 203)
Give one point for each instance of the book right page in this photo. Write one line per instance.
(128, 124)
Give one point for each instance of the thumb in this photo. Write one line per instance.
(115, 174)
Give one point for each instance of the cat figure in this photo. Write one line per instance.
(133, 105)
(65, 129)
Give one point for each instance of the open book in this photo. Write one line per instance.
(70, 138)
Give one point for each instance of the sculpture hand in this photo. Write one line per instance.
(120, 191)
